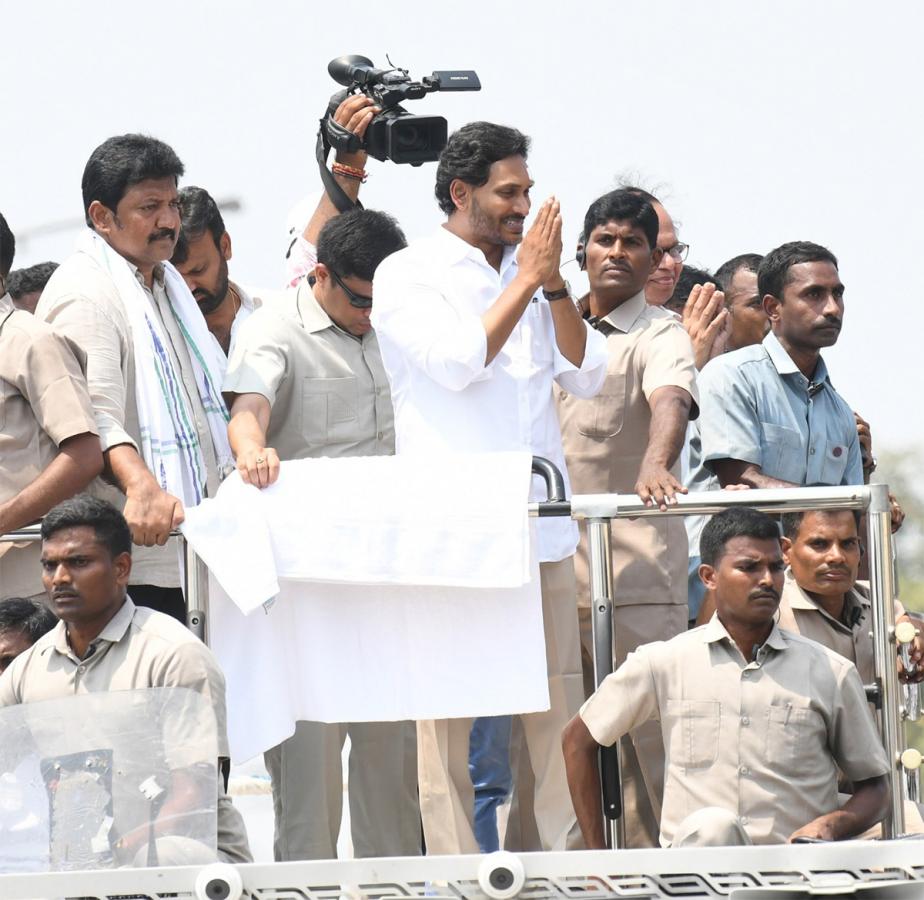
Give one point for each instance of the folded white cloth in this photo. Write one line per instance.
(437, 613)
(455, 520)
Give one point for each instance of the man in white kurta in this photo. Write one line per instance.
(471, 347)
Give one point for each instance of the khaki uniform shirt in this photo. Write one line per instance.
(763, 740)
(327, 388)
(800, 614)
(81, 302)
(43, 402)
(605, 439)
(138, 648)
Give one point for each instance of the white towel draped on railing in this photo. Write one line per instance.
(401, 588)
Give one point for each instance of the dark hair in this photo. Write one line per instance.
(737, 521)
(198, 213)
(727, 271)
(470, 153)
(7, 247)
(623, 205)
(690, 276)
(792, 521)
(773, 272)
(122, 161)
(83, 510)
(354, 243)
(639, 192)
(29, 617)
(28, 280)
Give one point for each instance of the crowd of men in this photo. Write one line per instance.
(136, 375)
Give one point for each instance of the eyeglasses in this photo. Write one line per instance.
(360, 301)
(679, 251)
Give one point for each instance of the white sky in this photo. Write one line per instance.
(762, 122)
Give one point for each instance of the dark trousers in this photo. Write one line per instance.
(166, 600)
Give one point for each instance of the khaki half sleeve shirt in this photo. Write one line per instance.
(605, 439)
(81, 302)
(763, 740)
(801, 615)
(139, 648)
(327, 388)
(43, 402)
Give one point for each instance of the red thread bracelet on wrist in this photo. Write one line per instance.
(349, 171)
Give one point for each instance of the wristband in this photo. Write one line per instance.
(560, 294)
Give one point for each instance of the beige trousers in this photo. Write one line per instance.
(447, 797)
(307, 778)
(711, 826)
(641, 753)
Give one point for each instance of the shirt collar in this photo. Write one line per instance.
(159, 274)
(309, 310)
(113, 632)
(246, 299)
(627, 314)
(799, 599)
(715, 631)
(455, 249)
(784, 364)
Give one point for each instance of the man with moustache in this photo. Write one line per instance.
(756, 721)
(104, 642)
(628, 439)
(770, 416)
(822, 598)
(474, 323)
(152, 368)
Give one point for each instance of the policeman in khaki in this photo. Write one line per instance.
(104, 642)
(628, 439)
(756, 721)
(49, 441)
(306, 380)
(822, 598)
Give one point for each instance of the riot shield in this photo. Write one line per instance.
(104, 780)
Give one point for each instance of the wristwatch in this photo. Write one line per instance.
(560, 294)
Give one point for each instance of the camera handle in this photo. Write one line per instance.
(334, 136)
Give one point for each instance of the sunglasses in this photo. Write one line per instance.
(360, 301)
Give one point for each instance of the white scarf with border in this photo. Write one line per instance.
(169, 442)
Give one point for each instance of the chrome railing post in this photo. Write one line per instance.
(882, 600)
(196, 588)
(599, 533)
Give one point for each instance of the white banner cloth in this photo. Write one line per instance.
(403, 587)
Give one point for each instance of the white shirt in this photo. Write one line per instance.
(429, 299)
(248, 305)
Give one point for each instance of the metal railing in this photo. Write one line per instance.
(599, 510)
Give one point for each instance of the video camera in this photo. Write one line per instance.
(394, 133)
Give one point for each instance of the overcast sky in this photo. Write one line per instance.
(757, 122)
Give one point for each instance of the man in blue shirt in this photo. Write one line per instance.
(769, 415)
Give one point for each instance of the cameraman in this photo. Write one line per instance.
(471, 347)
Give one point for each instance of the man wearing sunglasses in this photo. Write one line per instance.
(305, 380)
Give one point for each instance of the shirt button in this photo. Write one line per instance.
(380, 435)
(745, 720)
(744, 820)
(743, 770)
(745, 673)
(81, 669)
